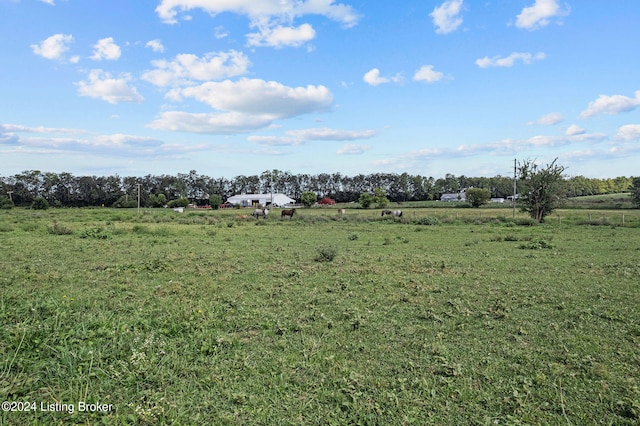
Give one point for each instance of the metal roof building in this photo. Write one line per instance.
(246, 200)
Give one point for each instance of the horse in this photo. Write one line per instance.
(341, 212)
(288, 213)
(396, 213)
(260, 212)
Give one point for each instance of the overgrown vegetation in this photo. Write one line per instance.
(179, 318)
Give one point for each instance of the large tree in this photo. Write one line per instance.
(635, 191)
(541, 187)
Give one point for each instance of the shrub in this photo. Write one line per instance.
(6, 203)
(428, 221)
(57, 229)
(366, 200)
(309, 198)
(40, 203)
(125, 202)
(215, 201)
(326, 254)
(180, 202)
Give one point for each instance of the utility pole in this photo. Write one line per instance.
(10, 198)
(139, 198)
(514, 187)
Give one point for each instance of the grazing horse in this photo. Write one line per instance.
(341, 212)
(289, 213)
(396, 213)
(260, 212)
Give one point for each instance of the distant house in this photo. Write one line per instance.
(461, 196)
(497, 200)
(249, 200)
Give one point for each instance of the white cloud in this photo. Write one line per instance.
(509, 61)
(427, 73)
(280, 36)
(102, 85)
(575, 130)
(548, 119)
(261, 10)
(257, 97)
(446, 17)
(331, 134)
(155, 45)
(611, 105)
(244, 105)
(353, 149)
(185, 68)
(209, 123)
(539, 14)
(53, 47)
(51, 2)
(373, 78)
(106, 49)
(629, 133)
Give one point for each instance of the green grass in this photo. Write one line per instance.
(211, 318)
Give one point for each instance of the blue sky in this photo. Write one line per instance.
(237, 87)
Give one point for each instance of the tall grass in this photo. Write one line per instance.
(183, 319)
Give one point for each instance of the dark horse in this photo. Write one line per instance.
(289, 213)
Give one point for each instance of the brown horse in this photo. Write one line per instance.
(289, 213)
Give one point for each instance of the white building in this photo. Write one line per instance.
(247, 200)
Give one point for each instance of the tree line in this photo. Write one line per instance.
(66, 190)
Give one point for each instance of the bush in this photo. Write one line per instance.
(6, 203)
(180, 202)
(215, 201)
(57, 229)
(366, 200)
(309, 198)
(326, 254)
(125, 202)
(428, 221)
(40, 203)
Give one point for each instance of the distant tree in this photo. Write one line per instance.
(214, 201)
(478, 196)
(40, 203)
(366, 200)
(635, 191)
(159, 200)
(541, 188)
(180, 202)
(380, 196)
(309, 198)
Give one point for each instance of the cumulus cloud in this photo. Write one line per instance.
(275, 140)
(244, 105)
(53, 47)
(539, 14)
(155, 45)
(509, 61)
(353, 149)
(428, 74)
(629, 133)
(280, 36)
(51, 2)
(261, 10)
(185, 68)
(373, 78)
(611, 105)
(255, 96)
(548, 119)
(107, 49)
(446, 17)
(575, 130)
(102, 85)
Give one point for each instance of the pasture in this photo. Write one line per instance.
(441, 316)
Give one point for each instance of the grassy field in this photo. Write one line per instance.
(447, 316)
